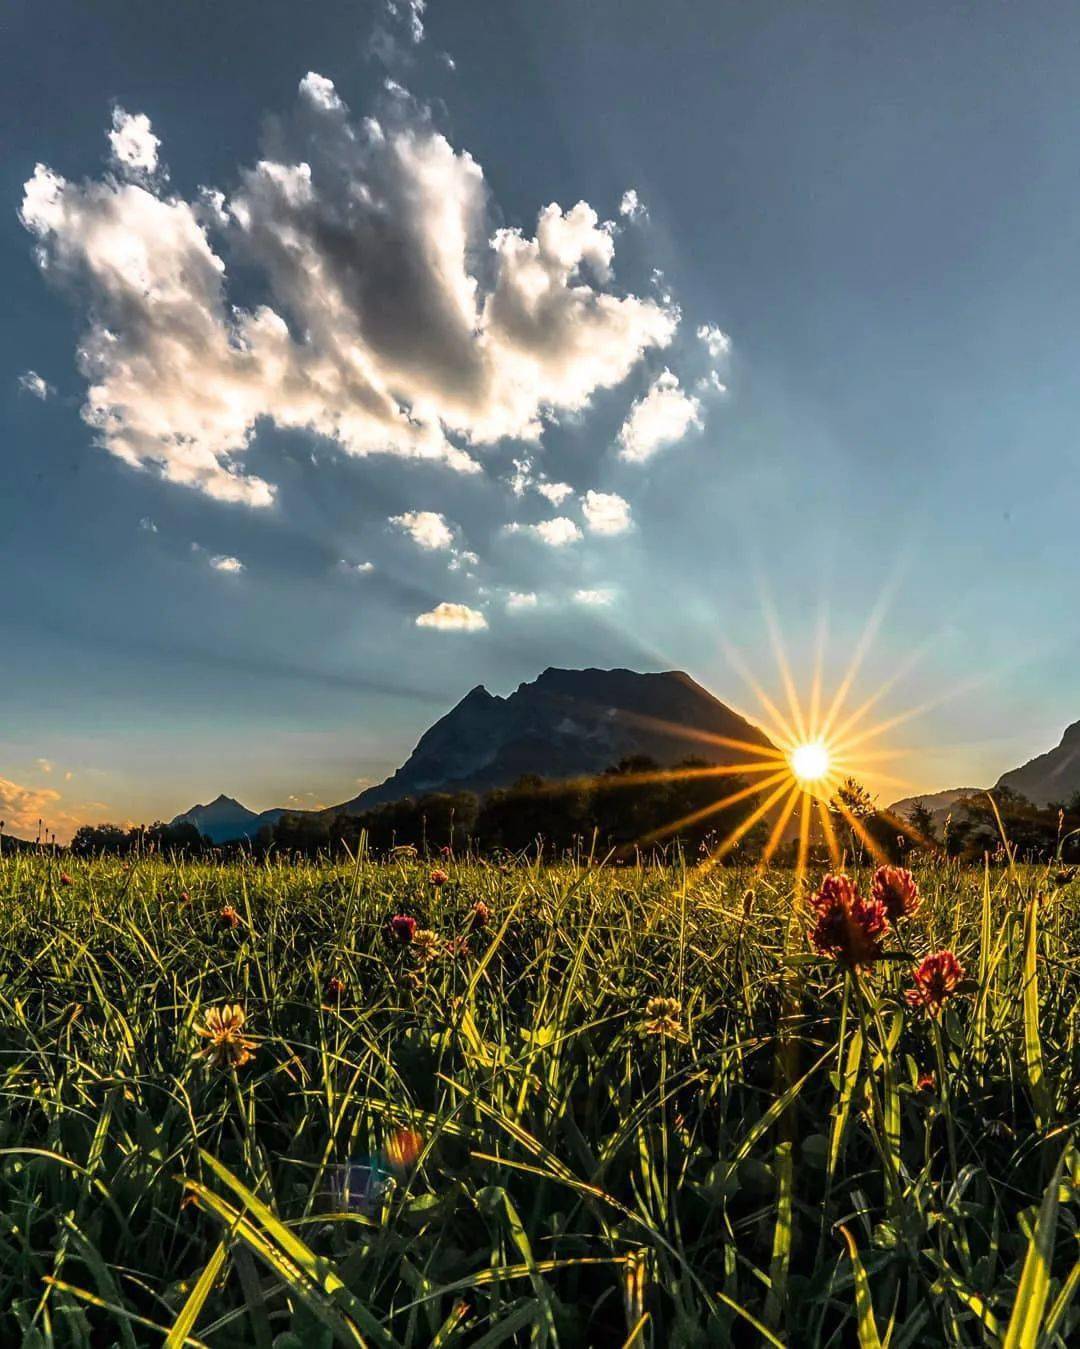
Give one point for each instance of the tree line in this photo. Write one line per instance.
(633, 807)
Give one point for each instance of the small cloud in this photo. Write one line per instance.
(31, 382)
(452, 618)
(717, 342)
(555, 492)
(448, 61)
(711, 383)
(231, 565)
(594, 598)
(45, 765)
(463, 559)
(147, 525)
(134, 145)
(347, 568)
(662, 417)
(428, 529)
(632, 207)
(519, 599)
(68, 775)
(320, 92)
(606, 512)
(556, 533)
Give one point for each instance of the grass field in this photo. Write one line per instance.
(488, 1136)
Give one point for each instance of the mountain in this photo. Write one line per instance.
(225, 819)
(939, 804)
(1054, 776)
(567, 723)
(1050, 777)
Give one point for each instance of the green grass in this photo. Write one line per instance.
(773, 1175)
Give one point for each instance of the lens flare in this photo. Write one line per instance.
(810, 761)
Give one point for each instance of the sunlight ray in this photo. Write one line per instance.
(696, 816)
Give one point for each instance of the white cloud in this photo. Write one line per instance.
(556, 533)
(518, 599)
(134, 145)
(717, 342)
(555, 492)
(631, 206)
(320, 91)
(354, 568)
(396, 320)
(523, 479)
(452, 618)
(31, 382)
(147, 525)
(46, 765)
(231, 565)
(594, 598)
(661, 417)
(711, 383)
(606, 512)
(428, 529)
(463, 558)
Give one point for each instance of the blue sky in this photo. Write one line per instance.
(337, 304)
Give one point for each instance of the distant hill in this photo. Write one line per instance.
(939, 804)
(224, 820)
(567, 723)
(1050, 777)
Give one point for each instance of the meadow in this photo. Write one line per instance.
(553, 1105)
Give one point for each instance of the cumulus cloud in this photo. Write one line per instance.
(232, 566)
(594, 598)
(631, 206)
(518, 599)
(22, 807)
(31, 382)
(395, 320)
(428, 529)
(717, 342)
(452, 618)
(133, 144)
(556, 533)
(606, 512)
(660, 418)
(555, 492)
(354, 568)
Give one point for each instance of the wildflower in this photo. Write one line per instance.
(479, 915)
(185, 898)
(229, 917)
(438, 876)
(335, 987)
(446, 851)
(895, 887)
(935, 982)
(65, 879)
(847, 927)
(664, 1017)
(402, 1148)
(403, 927)
(227, 1045)
(425, 943)
(457, 946)
(926, 1082)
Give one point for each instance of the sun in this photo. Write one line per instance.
(810, 761)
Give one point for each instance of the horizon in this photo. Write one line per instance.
(352, 363)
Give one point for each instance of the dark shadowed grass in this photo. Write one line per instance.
(497, 1145)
